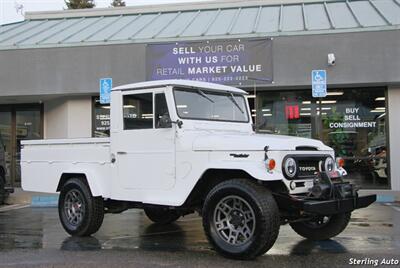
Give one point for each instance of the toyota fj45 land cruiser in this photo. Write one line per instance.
(177, 147)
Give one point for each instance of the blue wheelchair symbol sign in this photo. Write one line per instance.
(318, 78)
(105, 90)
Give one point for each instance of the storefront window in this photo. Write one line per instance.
(101, 119)
(352, 121)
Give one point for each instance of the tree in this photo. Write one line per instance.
(118, 3)
(79, 4)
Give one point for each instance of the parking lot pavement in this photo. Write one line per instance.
(33, 237)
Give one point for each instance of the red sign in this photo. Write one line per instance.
(292, 112)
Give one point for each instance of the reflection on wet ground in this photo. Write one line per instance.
(372, 230)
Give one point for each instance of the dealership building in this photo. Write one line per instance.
(51, 64)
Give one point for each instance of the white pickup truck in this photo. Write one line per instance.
(177, 147)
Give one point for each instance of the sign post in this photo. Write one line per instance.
(105, 90)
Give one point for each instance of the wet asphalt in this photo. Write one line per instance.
(33, 237)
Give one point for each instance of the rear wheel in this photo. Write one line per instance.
(322, 227)
(161, 215)
(80, 213)
(241, 219)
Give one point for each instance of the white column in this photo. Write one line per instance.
(393, 103)
(68, 118)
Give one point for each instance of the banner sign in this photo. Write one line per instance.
(233, 61)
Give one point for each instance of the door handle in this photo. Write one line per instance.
(121, 152)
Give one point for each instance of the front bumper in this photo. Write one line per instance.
(304, 206)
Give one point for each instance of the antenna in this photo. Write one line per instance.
(19, 8)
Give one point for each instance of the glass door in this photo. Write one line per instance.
(17, 123)
(5, 143)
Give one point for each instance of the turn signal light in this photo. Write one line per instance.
(340, 162)
(271, 164)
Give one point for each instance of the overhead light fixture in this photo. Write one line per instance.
(250, 96)
(267, 114)
(129, 106)
(380, 98)
(181, 106)
(306, 109)
(105, 107)
(306, 102)
(327, 102)
(266, 110)
(324, 108)
(377, 111)
(380, 108)
(253, 110)
(335, 93)
(305, 114)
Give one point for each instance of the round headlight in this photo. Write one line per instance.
(329, 164)
(290, 167)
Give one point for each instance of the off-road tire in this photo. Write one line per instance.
(94, 209)
(336, 224)
(267, 218)
(3, 192)
(161, 215)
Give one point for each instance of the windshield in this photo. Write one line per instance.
(202, 104)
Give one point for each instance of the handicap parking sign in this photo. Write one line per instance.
(105, 90)
(318, 78)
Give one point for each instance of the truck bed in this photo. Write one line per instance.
(43, 162)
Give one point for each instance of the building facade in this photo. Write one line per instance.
(51, 63)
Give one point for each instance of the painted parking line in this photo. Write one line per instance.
(393, 206)
(13, 207)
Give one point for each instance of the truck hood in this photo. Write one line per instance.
(254, 142)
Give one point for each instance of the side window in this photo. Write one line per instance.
(138, 111)
(162, 114)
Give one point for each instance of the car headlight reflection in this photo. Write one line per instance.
(329, 164)
(290, 167)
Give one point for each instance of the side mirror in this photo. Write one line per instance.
(165, 121)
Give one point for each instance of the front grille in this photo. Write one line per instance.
(307, 167)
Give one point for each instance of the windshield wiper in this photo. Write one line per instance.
(232, 98)
(204, 95)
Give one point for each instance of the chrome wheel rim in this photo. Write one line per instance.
(234, 220)
(74, 207)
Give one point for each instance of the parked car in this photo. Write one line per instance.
(177, 147)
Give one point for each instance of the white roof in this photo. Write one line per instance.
(182, 83)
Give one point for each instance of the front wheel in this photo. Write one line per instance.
(80, 213)
(322, 227)
(241, 219)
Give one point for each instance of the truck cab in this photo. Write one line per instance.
(178, 147)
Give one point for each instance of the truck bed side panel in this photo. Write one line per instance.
(43, 162)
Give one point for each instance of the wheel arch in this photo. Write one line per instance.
(213, 176)
(83, 176)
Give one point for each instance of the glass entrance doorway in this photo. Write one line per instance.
(17, 123)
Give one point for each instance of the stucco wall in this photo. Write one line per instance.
(362, 58)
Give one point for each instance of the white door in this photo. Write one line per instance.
(145, 150)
